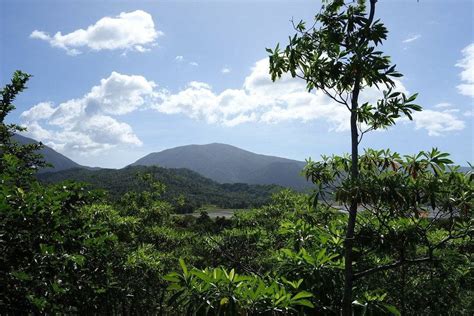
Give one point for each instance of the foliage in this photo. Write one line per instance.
(66, 249)
(221, 292)
(339, 53)
(52, 255)
(184, 189)
(18, 160)
(409, 185)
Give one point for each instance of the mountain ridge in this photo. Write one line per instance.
(219, 162)
(59, 161)
(225, 163)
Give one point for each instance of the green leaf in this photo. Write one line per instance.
(174, 287)
(302, 294)
(305, 303)
(172, 277)
(183, 266)
(392, 309)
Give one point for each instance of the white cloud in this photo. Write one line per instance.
(85, 125)
(120, 94)
(261, 100)
(441, 119)
(40, 111)
(452, 111)
(411, 38)
(438, 122)
(467, 74)
(225, 70)
(443, 105)
(133, 31)
(181, 59)
(258, 100)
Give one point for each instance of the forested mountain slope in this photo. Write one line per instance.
(194, 188)
(228, 164)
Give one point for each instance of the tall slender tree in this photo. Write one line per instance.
(339, 55)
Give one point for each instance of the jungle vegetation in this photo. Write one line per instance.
(404, 245)
(185, 190)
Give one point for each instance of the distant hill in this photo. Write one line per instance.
(196, 189)
(465, 169)
(59, 161)
(228, 164)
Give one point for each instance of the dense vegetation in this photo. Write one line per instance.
(66, 249)
(184, 189)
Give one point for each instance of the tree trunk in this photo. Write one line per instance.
(351, 222)
(349, 242)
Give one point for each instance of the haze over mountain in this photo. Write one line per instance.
(229, 164)
(59, 161)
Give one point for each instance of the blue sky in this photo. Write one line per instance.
(143, 76)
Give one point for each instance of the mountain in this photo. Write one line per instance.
(194, 188)
(228, 164)
(59, 162)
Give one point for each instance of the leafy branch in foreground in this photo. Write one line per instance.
(404, 196)
(219, 291)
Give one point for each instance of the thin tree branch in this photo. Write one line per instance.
(390, 266)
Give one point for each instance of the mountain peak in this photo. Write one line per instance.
(220, 162)
(225, 163)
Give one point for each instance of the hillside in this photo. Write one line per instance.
(59, 161)
(228, 164)
(196, 189)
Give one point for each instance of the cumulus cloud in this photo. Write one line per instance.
(411, 38)
(467, 73)
(88, 124)
(225, 70)
(258, 100)
(442, 118)
(438, 122)
(85, 125)
(261, 100)
(40, 111)
(129, 31)
(179, 58)
(193, 63)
